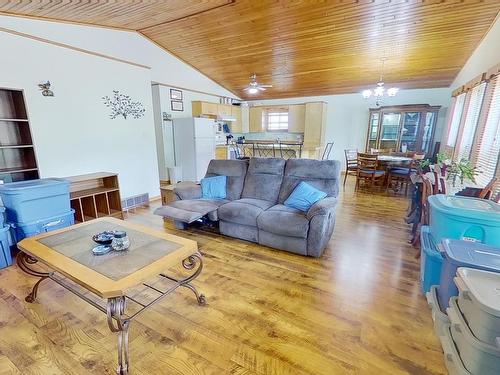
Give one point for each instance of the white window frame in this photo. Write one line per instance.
(276, 120)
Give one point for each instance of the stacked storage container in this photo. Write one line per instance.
(37, 206)
(472, 341)
(5, 255)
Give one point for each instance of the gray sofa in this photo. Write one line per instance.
(253, 209)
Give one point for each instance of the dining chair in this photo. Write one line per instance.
(401, 175)
(427, 191)
(487, 191)
(327, 150)
(351, 162)
(367, 169)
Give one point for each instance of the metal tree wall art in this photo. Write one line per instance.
(122, 105)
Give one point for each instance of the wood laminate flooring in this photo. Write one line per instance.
(358, 309)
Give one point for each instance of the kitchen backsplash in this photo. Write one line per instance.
(271, 136)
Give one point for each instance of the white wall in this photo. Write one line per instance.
(484, 57)
(347, 117)
(165, 68)
(72, 131)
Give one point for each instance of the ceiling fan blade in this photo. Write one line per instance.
(261, 88)
(266, 85)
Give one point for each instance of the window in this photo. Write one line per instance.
(456, 116)
(488, 149)
(464, 148)
(276, 119)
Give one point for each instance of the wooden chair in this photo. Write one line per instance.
(401, 176)
(367, 169)
(351, 162)
(427, 191)
(487, 191)
(327, 150)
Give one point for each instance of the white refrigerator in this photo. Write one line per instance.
(194, 143)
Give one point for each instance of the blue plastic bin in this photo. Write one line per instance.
(2, 216)
(27, 201)
(431, 260)
(464, 254)
(23, 230)
(464, 218)
(5, 255)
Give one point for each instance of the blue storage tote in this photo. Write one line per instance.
(23, 230)
(464, 218)
(27, 201)
(430, 260)
(2, 217)
(464, 254)
(5, 255)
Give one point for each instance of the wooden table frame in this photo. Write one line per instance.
(114, 300)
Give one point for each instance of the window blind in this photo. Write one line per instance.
(487, 149)
(464, 146)
(276, 119)
(456, 116)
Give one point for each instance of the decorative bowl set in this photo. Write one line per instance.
(116, 240)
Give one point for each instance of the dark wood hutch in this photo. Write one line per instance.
(392, 127)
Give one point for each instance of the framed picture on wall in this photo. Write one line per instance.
(177, 105)
(175, 94)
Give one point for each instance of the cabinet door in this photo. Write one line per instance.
(410, 131)
(224, 110)
(389, 132)
(296, 118)
(428, 132)
(315, 123)
(255, 123)
(373, 127)
(210, 108)
(236, 126)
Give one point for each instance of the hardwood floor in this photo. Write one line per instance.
(357, 310)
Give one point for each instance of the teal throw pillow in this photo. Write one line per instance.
(304, 196)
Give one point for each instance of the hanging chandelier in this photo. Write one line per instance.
(379, 91)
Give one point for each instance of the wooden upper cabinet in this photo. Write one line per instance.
(296, 118)
(224, 110)
(315, 124)
(255, 121)
(236, 126)
(204, 108)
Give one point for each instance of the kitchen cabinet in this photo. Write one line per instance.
(296, 118)
(236, 126)
(255, 121)
(409, 127)
(315, 124)
(204, 108)
(224, 110)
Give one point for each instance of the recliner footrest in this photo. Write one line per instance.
(179, 214)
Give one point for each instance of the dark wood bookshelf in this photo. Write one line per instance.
(17, 153)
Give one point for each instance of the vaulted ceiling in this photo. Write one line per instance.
(302, 48)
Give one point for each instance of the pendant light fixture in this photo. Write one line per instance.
(379, 91)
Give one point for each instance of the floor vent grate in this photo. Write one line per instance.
(135, 201)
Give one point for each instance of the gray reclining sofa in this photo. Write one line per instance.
(253, 209)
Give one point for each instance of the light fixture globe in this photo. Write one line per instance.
(392, 91)
(366, 93)
(253, 90)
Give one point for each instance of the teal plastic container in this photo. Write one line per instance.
(431, 260)
(5, 255)
(464, 218)
(23, 230)
(27, 201)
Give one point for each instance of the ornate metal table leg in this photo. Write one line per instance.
(115, 310)
(24, 262)
(190, 263)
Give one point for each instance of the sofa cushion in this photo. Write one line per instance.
(235, 170)
(189, 210)
(322, 174)
(304, 196)
(243, 211)
(285, 221)
(213, 187)
(263, 180)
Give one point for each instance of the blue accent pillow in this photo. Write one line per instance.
(304, 196)
(213, 187)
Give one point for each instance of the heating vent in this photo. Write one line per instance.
(135, 201)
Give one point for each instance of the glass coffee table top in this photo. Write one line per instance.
(77, 245)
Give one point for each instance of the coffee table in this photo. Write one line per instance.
(135, 277)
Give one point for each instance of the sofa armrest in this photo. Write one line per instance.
(188, 191)
(322, 207)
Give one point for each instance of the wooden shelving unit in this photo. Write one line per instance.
(95, 195)
(17, 153)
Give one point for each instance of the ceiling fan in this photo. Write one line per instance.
(254, 87)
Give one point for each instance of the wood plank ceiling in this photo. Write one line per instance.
(302, 48)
